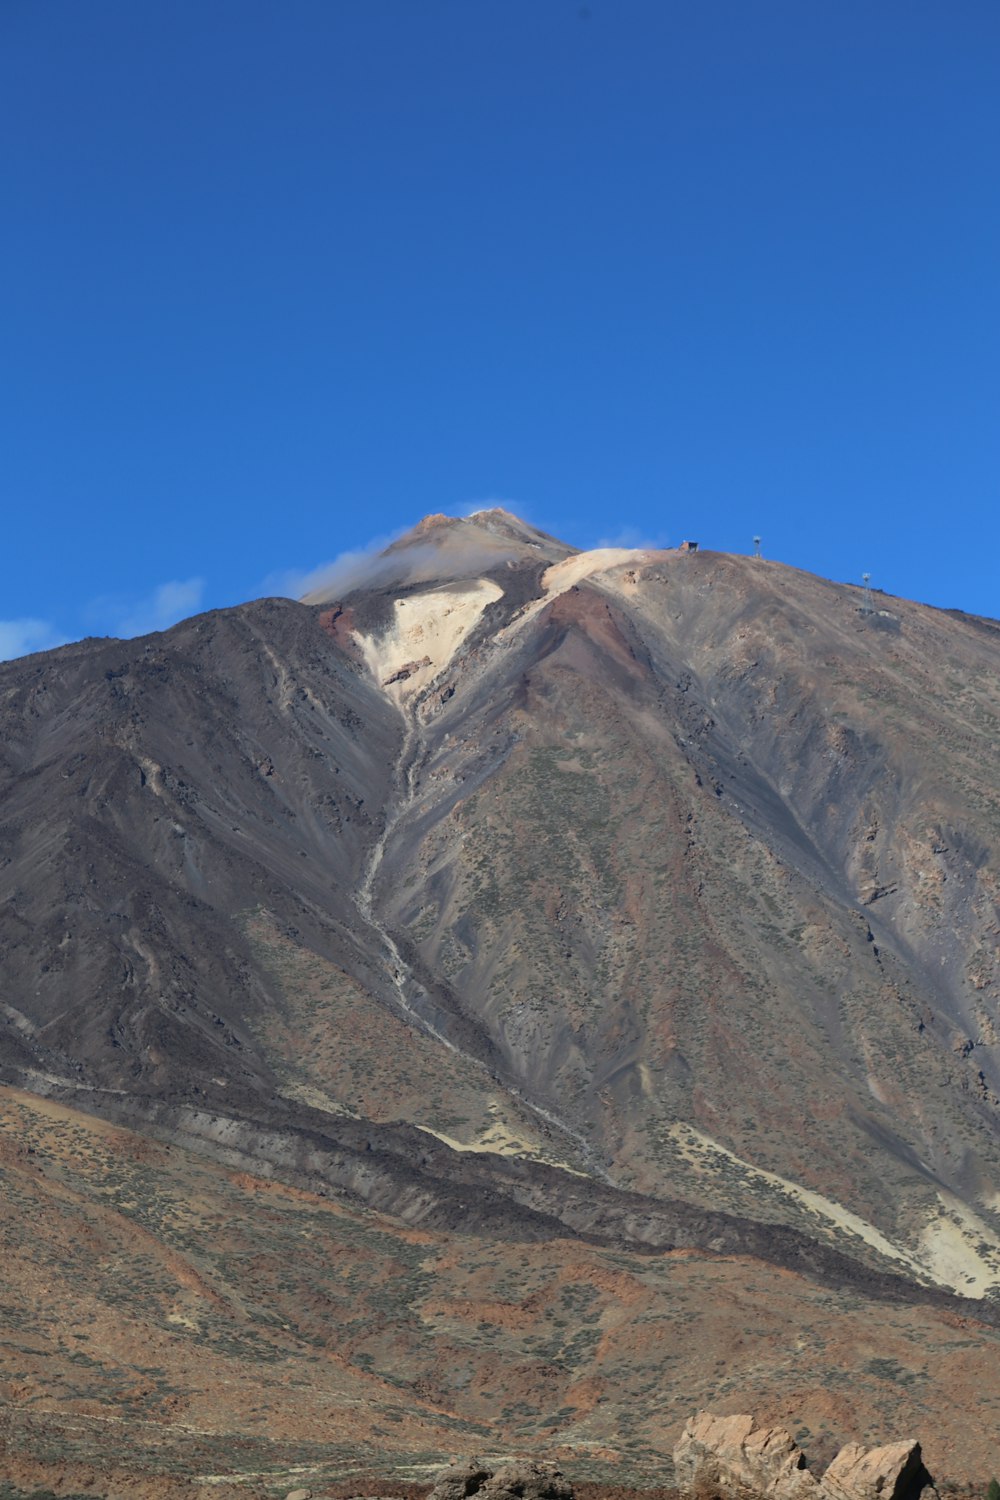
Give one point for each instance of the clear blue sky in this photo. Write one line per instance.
(278, 278)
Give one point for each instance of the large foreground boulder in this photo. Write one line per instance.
(730, 1454)
(894, 1472)
(733, 1456)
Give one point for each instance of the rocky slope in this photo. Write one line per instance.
(168, 1321)
(648, 898)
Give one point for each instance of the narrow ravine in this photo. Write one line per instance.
(398, 968)
(404, 982)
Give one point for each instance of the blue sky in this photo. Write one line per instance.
(279, 278)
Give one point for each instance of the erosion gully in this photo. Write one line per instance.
(413, 753)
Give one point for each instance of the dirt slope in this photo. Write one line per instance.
(169, 1322)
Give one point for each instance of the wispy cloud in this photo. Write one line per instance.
(476, 507)
(346, 570)
(19, 637)
(167, 604)
(631, 536)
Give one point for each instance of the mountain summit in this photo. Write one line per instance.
(445, 549)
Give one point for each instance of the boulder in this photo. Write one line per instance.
(460, 1480)
(514, 1481)
(528, 1481)
(731, 1454)
(895, 1472)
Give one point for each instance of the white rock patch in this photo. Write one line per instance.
(960, 1250)
(426, 631)
(956, 1250)
(563, 575)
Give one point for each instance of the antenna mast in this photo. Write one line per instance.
(866, 579)
(756, 546)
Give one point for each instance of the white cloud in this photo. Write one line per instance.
(477, 507)
(19, 637)
(346, 570)
(631, 536)
(162, 608)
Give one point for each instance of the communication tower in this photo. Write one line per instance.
(866, 579)
(756, 546)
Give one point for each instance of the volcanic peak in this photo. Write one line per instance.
(495, 521)
(446, 549)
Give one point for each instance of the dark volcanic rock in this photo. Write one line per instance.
(514, 1481)
(459, 1480)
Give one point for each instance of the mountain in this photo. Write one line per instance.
(644, 902)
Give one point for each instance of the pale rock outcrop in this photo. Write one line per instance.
(894, 1472)
(733, 1455)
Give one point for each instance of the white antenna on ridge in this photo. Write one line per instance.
(756, 546)
(866, 579)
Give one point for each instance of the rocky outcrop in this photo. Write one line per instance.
(460, 1480)
(734, 1456)
(529, 1481)
(515, 1481)
(406, 671)
(894, 1472)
